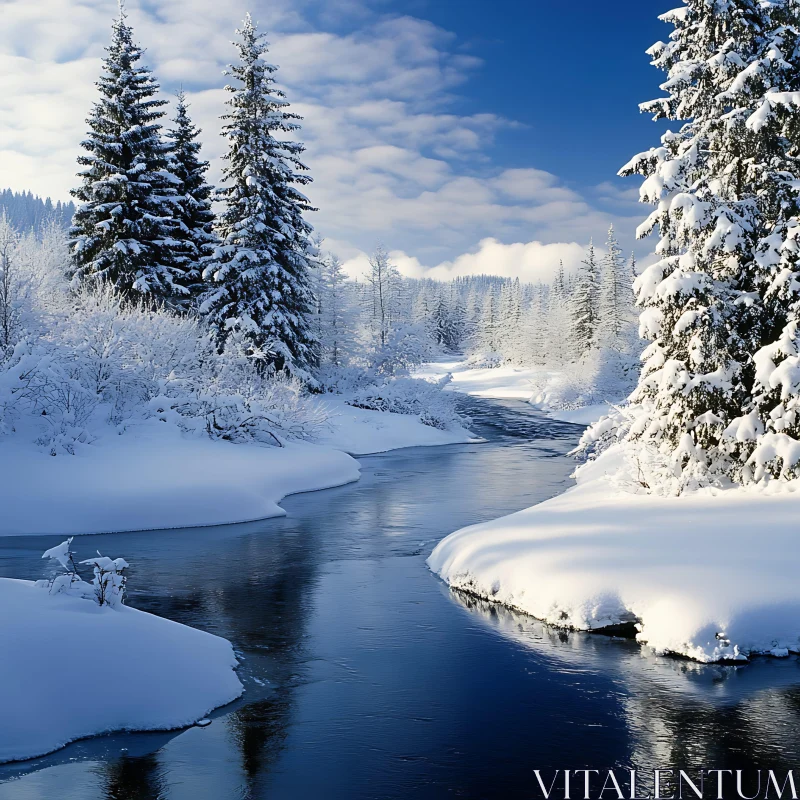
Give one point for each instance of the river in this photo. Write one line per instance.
(366, 677)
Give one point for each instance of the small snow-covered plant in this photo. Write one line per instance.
(109, 582)
(69, 580)
(108, 586)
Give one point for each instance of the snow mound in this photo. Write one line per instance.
(154, 478)
(709, 575)
(71, 668)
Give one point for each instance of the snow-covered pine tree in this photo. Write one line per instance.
(472, 319)
(560, 340)
(123, 229)
(458, 318)
(443, 328)
(767, 98)
(534, 349)
(616, 297)
(336, 328)
(585, 304)
(195, 229)
(260, 274)
(725, 197)
(487, 338)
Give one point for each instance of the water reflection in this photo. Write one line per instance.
(677, 712)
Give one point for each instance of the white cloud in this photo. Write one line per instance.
(531, 262)
(391, 159)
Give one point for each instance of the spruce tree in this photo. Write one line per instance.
(615, 296)
(194, 232)
(488, 328)
(123, 230)
(335, 313)
(560, 340)
(767, 439)
(260, 276)
(584, 304)
(723, 188)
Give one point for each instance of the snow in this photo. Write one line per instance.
(702, 573)
(154, 478)
(360, 431)
(79, 669)
(510, 383)
(164, 479)
(500, 383)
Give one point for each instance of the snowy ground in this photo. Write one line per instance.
(72, 669)
(359, 431)
(154, 477)
(710, 575)
(509, 383)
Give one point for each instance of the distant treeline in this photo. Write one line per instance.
(26, 211)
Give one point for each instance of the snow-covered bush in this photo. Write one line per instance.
(406, 347)
(345, 379)
(99, 361)
(603, 376)
(486, 360)
(107, 587)
(412, 396)
(109, 582)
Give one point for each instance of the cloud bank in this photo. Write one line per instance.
(391, 159)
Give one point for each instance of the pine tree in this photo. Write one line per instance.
(767, 439)
(336, 329)
(560, 340)
(489, 323)
(193, 213)
(726, 209)
(615, 297)
(585, 304)
(458, 318)
(473, 316)
(260, 274)
(123, 230)
(535, 329)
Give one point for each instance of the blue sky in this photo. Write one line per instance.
(465, 140)
(572, 72)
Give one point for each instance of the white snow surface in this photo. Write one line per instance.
(510, 383)
(155, 477)
(359, 431)
(79, 669)
(711, 575)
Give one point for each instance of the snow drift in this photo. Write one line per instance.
(71, 668)
(157, 478)
(710, 575)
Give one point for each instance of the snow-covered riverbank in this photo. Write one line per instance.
(535, 385)
(710, 575)
(71, 668)
(155, 477)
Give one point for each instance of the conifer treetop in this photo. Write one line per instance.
(122, 231)
(261, 272)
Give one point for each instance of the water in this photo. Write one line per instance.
(366, 677)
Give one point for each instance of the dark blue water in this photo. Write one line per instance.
(366, 677)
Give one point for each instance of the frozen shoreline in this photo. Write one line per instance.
(701, 573)
(154, 477)
(80, 670)
(510, 383)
